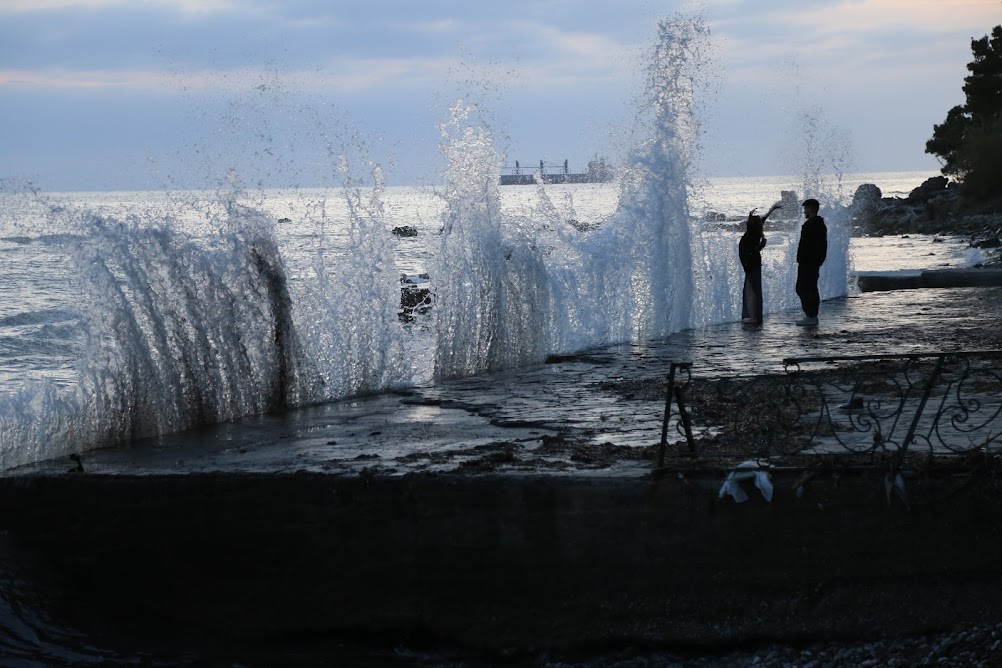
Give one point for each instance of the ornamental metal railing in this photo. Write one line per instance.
(936, 403)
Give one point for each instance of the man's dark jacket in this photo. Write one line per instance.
(813, 248)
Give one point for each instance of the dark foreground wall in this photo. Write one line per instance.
(516, 562)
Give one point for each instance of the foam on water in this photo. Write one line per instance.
(192, 312)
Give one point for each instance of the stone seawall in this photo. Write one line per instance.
(507, 563)
(875, 281)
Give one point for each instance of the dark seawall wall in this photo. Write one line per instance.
(508, 562)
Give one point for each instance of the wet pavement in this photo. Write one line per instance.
(594, 413)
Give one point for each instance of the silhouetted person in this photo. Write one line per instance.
(750, 253)
(811, 253)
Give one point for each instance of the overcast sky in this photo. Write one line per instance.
(124, 94)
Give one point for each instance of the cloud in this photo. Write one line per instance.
(556, 70)
(151, 48)
(440, 26)
(855, 43)
(187, 6)
(874, 15)
(343, 76)
(60, 78)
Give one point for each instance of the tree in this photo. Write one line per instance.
(967, 141)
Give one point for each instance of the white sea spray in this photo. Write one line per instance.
(202, 309)
(353, 338)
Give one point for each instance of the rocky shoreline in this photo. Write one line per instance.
(936, 207)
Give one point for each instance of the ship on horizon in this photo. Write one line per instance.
(599, 171)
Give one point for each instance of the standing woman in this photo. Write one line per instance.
(750, 253)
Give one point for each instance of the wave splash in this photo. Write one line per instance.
(516, 290)
(177, 332)
(182, 329)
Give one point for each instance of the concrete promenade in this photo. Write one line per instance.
(581, 413)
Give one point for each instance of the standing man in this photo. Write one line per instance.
(811, 255)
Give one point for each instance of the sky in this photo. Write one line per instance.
(149, 94)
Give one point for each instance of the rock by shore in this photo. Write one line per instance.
(937, 206)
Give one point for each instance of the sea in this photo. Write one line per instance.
(136, 314)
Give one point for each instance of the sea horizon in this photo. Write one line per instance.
(854, 177)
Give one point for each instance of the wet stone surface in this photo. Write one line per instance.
(595, 413)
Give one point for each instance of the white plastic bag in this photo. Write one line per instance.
(750, 470)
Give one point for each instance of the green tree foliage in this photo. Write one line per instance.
(982, 149)
(969, 140)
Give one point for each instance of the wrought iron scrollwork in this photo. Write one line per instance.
(968, 417)
(940, 403)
